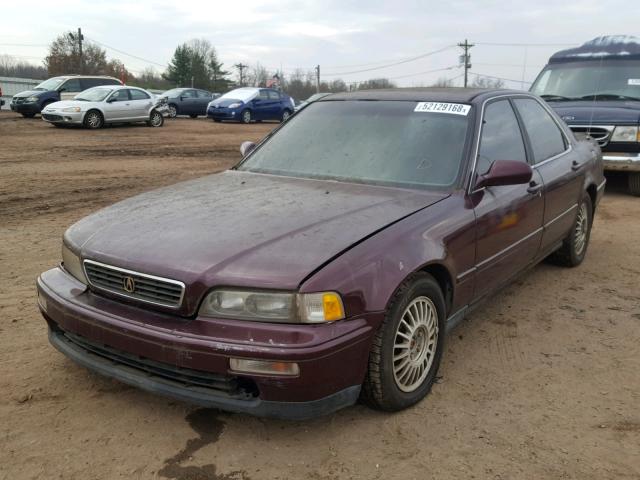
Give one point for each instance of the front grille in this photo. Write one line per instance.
(18, 100)
(228, 386)
(599, 134)
(51, 118)
(136, 285)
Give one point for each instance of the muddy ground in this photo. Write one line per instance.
(542, 382)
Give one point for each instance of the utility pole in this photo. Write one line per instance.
(465, 59)
(317, 78)
(240, 66)
(79, 39)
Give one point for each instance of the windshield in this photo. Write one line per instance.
(378, 142)
(93, 94)
(608, 80)
(50, 84)
(242, 94)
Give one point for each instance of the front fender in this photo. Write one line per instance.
(368, 274)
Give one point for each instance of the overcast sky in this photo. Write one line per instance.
(342, 36)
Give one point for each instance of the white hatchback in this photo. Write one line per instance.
(98, 106)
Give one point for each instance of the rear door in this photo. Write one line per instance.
(140, 104)
(188, 102)
(508, 218)
(261, 105)
(559, 166)
(204, 98)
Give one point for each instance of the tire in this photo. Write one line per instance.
(28, 115)
(245, 116)
(634, 183)
(193, 116)
(285, 115)
(574, 247)
(393, 385)
(173, 110)
(93, 119)
(155, 119)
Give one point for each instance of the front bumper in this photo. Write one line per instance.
(25, 107)
(222, 114)
(332, 358)
(621, 161)
(57, 116)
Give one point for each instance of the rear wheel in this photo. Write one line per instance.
(155, 119)
(93, 119)
(28, 115)
(574, 247)
(173, 110)
(245, 116)
(407, 349)
(193, 116)
(634, 183)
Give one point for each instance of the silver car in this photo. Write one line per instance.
(98, 106)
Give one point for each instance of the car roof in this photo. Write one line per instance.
(431, 94)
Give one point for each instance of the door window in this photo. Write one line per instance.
(263, 95)
(545, 136)
(203, 94)
(138, 95)
(72, 86)
(501, 137)
(273, 95)
(120, 95)
(188, 94)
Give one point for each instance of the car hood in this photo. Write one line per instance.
(30, 93)
(600, 112)
(240, 228)
(225, 102)
(68, 103)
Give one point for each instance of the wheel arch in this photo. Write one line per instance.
(592, 191)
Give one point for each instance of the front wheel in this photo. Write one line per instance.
(245, 117)
(93, 119)
(406, 351)
(155, 119)
(634, 183)
(285, 116)
(193, 115)
(574, 246)
(28, 115)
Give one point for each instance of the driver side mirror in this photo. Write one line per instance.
(505, 172)
(112, 99)
(246, 148)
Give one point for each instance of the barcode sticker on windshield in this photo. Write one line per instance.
(438, 107)
(633, 81)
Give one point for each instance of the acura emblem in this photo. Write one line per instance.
(129, 284)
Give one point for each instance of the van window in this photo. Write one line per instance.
(72, 86)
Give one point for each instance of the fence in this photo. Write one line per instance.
(12, 85)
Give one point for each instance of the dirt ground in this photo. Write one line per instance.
(542, 382)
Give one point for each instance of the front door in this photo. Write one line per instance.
(70, 89)
(118, 106)
(508, 218)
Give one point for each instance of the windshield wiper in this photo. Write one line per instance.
(609, 96)
(554, 97)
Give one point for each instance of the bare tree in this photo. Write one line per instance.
(443, 82)
(64, 57)
(11, 67)
(486, 82)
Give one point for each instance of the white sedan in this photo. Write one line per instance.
(98, 106)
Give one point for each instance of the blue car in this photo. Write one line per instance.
(251, 104)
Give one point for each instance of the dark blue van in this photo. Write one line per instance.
(595, 88)
(30, 102)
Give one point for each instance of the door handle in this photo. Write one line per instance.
(575, 165)
(534, 188)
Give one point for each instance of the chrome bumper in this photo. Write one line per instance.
(621, 161)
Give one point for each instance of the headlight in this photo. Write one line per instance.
(235, 105)
(282, 307)
(625, 134)
(71, 263)
(31, 99)
(71, 109)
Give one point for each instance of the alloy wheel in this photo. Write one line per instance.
(415, 344)
(156, 119)
(581, 229)
(93, 119)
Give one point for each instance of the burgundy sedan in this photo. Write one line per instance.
(328, 264)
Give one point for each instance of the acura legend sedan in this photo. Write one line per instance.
(328, 265)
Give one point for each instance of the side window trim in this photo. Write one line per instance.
(523, 132)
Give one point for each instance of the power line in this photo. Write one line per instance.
(126, 53)
(498, 44)
(407, 60)
(22, 45)
(424, 73)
